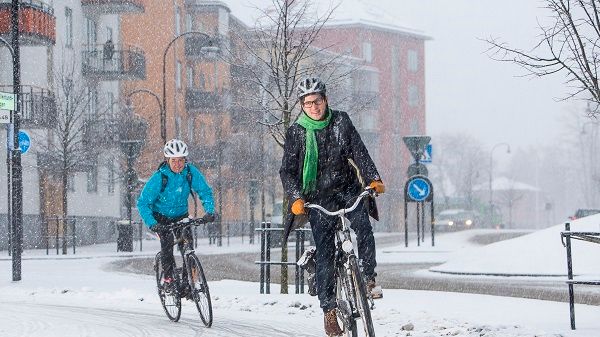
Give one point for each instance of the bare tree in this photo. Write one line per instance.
(460, 162)
(568, 46)
(276, 54)
(65, 152)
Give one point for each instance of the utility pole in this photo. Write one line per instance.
(17, 178)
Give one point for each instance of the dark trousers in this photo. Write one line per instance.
(167, 242)
(323, 229)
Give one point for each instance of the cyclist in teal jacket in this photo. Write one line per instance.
(164, 199)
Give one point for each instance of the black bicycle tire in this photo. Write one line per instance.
(344, 286)
(206, 317)
(361, 297)
(158, 271)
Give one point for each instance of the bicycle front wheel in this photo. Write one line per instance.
(199, 289)
(169, 297)
(345, 300)
(362, 301)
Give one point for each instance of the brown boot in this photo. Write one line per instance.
(332, 328)
(375, 290)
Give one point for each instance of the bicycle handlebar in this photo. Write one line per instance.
(366, 192)
(180, 224)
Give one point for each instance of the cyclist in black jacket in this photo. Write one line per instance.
(322, 154)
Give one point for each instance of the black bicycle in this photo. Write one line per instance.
(354, 302)
(189, 280)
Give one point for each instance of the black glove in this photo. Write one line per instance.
(208, 217)
(158, 228)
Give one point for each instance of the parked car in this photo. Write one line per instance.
(455, 219)
(581, 213)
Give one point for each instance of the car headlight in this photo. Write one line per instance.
(469, 222)
(450, 223)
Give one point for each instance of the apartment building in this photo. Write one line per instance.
(67, 67)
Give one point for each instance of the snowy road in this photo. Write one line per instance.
(35, 319)
(85, 295)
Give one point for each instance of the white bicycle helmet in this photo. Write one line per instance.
(175, 148)
(311, 85)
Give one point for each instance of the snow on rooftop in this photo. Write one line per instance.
(347, 12)
(505, 184)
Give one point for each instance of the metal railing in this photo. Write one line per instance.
(116, 62)
(37, 4)
(38, 105)
(566, 237)
(266, 236)
(60, 237)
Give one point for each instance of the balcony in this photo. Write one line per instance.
(100, 131)
(202, 46)
(100, 7)
(205, 156)
(38, 106)
(37, 23)
(198, 100)
(113, 64)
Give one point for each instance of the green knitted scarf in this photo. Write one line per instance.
(311, 155)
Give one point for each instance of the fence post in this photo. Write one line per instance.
(570, 276)
(268, 259)
(47, 237)
(303, 233)
(74, 236)
(57, 242)
(262, 257)
(297, 269)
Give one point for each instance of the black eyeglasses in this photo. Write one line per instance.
(309, 104)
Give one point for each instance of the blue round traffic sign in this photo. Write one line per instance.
(24, 141)
(418, 188)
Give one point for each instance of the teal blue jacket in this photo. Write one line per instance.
(172, 202)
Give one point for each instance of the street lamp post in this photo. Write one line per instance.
(491, 177)
(16, 169)
(163, 120)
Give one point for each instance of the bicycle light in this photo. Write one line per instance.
(347, 246)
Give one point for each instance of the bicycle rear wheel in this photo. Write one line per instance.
(169, 298)
(362, 301)
(199, 289)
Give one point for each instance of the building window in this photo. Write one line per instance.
(92, 101)
(71, 182)
(188, 22)
(413, 60)
(190, 130)
(91, 34)
(178, 75)
(367, 52)
(69, 27)
(109, 33)
(177, 21)
(369, 121)
(111, 177)
(111, 102)
(413, 95)
(92, 180)
(190, 77)
(178, 127)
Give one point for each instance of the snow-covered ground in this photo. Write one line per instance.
(78, 295)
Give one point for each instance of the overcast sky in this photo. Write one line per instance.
(466, 90)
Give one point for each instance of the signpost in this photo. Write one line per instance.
(418, 188)
(24, 141)
(7, 101)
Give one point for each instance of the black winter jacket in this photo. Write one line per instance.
(336, 177)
